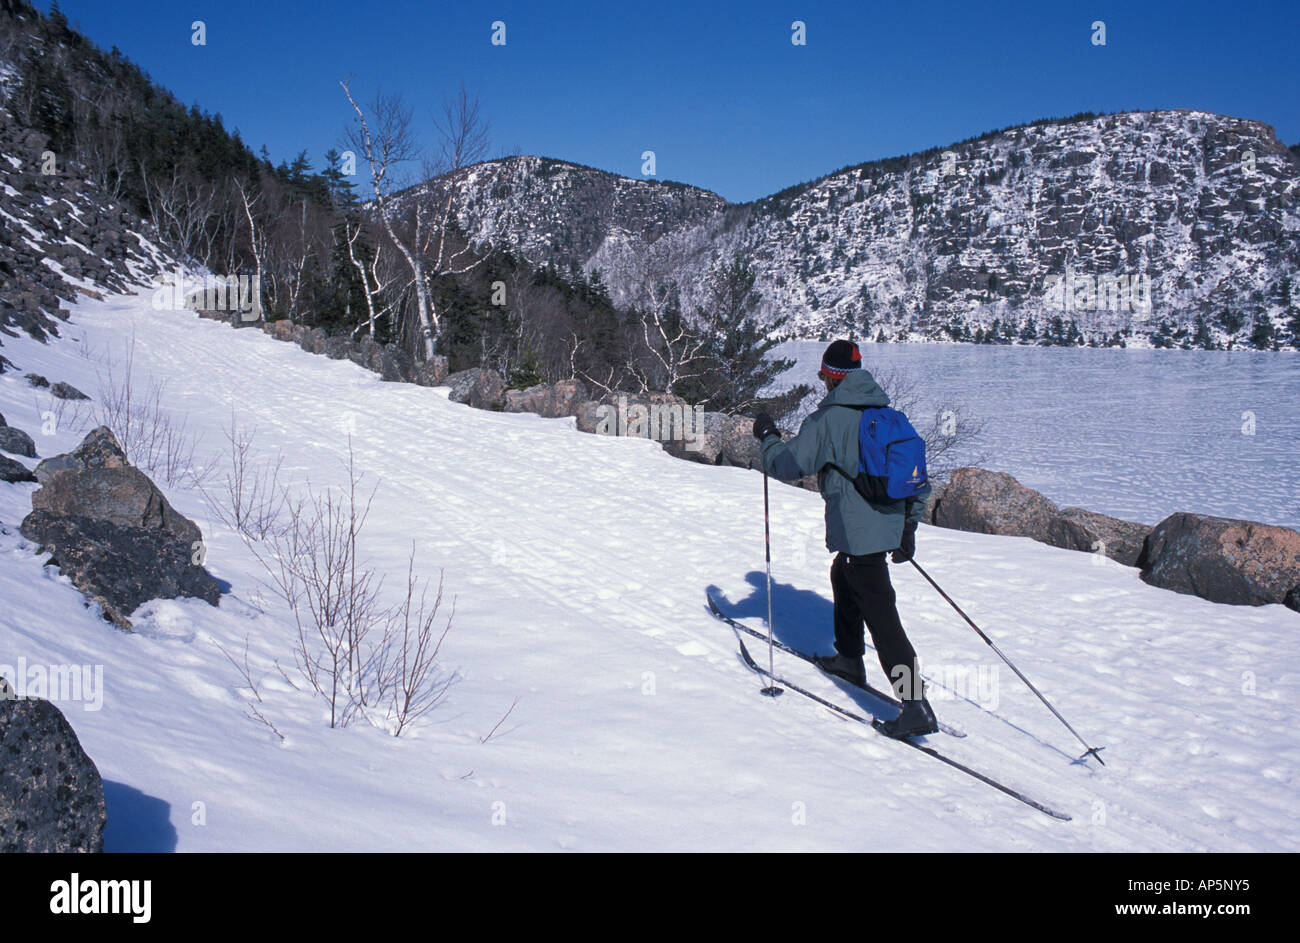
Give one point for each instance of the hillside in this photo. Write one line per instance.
(1203, 206)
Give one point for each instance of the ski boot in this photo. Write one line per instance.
(916, 719)
(849, 668)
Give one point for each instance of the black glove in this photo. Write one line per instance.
(764, 427)
(907, 549)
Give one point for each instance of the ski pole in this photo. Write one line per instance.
(771, 690)
(1093, 751)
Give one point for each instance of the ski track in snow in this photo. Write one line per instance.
(578, 564)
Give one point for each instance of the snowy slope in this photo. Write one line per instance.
(579, 564)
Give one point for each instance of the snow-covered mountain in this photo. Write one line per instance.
(1197, 214)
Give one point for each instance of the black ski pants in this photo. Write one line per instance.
(863, 593)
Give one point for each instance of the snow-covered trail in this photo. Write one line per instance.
(579, 564)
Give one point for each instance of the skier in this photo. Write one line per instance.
(858, 532)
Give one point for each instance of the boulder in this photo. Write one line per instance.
(66, 391)
(591, 415)
(739, 447)
(986, 502)
(1224, 560)
(17, 441)
(392, 363)
(122, 495)
(36, 380)
(932, 502)
(1077, 529)
(432, 372)
(364, 351)
(120, 566)
(99, 449)
(282, 330)
(12, 471)
(480, 387)
(51, 794)
(337, 347)
(702, 439)
(551, 400)
(655, 415)
(312, 340)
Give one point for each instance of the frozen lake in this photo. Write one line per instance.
(1137, 434)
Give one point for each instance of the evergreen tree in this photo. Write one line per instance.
(1262, 335)
(342, 191)
(1231, 321)
(1201, 336)
(1055, 334)
(735, 367)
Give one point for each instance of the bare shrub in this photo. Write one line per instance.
(253, 500)
(73, 414)
(361, 658)
(144, 428)
(408, 682)
(492, 733)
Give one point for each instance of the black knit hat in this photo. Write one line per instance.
(840, 359)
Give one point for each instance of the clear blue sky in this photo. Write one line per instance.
(717, 91)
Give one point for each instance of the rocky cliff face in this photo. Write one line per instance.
(1116, 222)
(58, 234)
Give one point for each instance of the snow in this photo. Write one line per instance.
(579, 565)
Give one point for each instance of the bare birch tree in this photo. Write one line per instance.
(385, 139)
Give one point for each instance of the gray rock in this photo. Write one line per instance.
(595, 417)
(283, 330)
(395, 365)
(65, 391)
(99, 449)
(123, 496)
(703, 440)
(36, 380)
(1077, 529)
(312, 340)
(739, 447)
(431, 372)
(932, 502)
(120, 566)
(17, 441)
(480, 387)
(337, 347)
(51, 794)
(1224, 560)
(551, 400)
(986, 502)
(12, 471)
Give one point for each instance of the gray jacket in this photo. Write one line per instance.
(827, 444)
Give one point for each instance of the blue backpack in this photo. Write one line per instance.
(891, 457)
